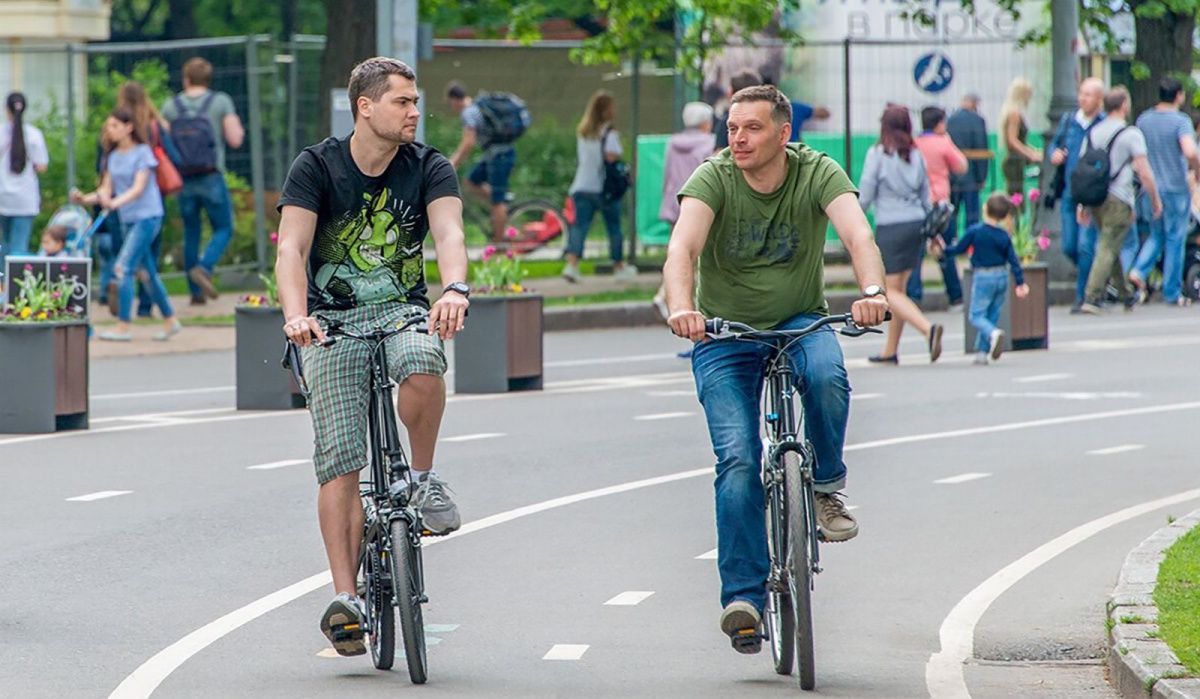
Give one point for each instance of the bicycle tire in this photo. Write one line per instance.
(406, 583)
(379, 603)
(799, 567)
(536, 222)
(780, 621)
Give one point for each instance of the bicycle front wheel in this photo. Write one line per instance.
(408, 587)
(536, 223)
(799, 506)
(376, 579)
(781, 623)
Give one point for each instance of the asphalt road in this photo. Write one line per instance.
(1034, 446)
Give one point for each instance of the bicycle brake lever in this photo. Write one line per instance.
(852, 330)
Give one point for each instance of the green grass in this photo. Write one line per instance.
(1178, 598)
(602, 297)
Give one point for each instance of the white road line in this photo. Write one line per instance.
(1063, 395)
(99, 496)
(565, 651)
(952, 480)
(277, 464)
(609, 360)
(707, 556)
(473, 437)
(155, 394)
(440, 628)
(161, 415)
(1042, 377)
(329, 653)
(1116, 450)
(151, 673)
(944, 671)
(866, 396)
(663, 416)
(629, 599)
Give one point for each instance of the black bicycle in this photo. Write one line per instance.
(390, 571)
(788, 466)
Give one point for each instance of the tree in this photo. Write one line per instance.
(350, 39)
(146, 20)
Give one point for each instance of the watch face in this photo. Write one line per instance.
(872, 290)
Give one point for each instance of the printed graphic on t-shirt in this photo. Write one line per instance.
(762, 241)
(372, 255)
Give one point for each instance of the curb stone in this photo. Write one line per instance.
(1141, 665)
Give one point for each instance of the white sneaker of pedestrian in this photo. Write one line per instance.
(981, 358)
(626, 273)
(996, 344)
(571, 272)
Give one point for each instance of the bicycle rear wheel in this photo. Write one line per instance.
(408, 586)
(799, 566)
(536, 222)
(780, 622)
(377, 581)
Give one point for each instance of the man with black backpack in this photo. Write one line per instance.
(202, 124)
(1102, 187)
(493, 121)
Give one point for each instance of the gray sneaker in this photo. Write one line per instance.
(439, 514)
(740, 622)
(833, 520)
(343, 624)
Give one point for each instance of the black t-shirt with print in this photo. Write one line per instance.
(367, 247)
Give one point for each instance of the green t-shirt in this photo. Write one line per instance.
(763, 262)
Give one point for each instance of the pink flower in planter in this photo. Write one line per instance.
(1043, 242)
(511, 233)
(510, 254)
(274, 236)
(488, 252)
(62, 267)
(1035, 194)
(1017, 199)
(28, 267)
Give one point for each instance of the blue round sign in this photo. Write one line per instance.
(933, 72)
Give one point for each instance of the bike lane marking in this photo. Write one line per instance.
(102, 495)
(1116, 450)
(278, 464)
(944, 676)
(565, 651)
(472, 437)
(151, 673)
(632, 598)
(964, 478)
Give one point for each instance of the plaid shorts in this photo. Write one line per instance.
(338, 378)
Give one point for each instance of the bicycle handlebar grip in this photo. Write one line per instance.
(714, 326)
(887, 315)
(329, 341)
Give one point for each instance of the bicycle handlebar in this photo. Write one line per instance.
(717, 328)
(335, 329)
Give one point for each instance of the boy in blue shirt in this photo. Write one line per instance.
(991, 259)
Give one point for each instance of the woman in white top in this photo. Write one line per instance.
(587, 190)
(22, 156)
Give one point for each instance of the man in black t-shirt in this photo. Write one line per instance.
(354, 215)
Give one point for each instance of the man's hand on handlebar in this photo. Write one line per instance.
(304, 330)
(448, 315)
(689, 324)
(869, 312)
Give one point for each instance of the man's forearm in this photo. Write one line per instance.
(867, 262)
(291, 283)
(679, 278)
(451, 257)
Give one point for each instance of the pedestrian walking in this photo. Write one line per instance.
(896, 184)
(992, 256)
(597, 143)
(685, 151)
(1016, 132)
(942, 160)
(23, 156)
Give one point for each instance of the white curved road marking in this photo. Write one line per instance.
(146, 678)
(944, 672)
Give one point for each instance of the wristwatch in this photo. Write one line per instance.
(458, 288)
(873, 290)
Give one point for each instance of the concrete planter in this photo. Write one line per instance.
(1024, 321)
(44, 377)
(500, 349)
(262, 383)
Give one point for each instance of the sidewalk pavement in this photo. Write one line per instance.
(203, 338)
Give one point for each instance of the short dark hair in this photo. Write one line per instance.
(781, 106)
(370, 79)
(1115, 98)
(998, 206)
(1168, 89)
(931, 117)
(198, 72)
(456, 91)
(744, 79)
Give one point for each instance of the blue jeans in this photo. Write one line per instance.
(1079, 245)
(496, 170)
(989, 289)
(207, 192)
(136, 255)
(1167, 236)
(586, 206)
(968, 202)
(15, 232)
(729, 382)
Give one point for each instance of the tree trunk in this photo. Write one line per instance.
(287, 19)
(350, 38)
(181, 20)
(1165, 46)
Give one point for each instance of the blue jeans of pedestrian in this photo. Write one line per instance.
(15, 232)
(1079, 245)
(989, 289)
(968, 203)
(1167, 236)
(207, 193)
(586, 206)
(729, 383)
(145, 304)
(136, 255)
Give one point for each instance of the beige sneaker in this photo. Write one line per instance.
(627, 273)
(571, 272)
(740, 622)
(833, 520)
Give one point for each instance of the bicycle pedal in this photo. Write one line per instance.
(748, 641)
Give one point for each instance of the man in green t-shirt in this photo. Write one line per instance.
(754, 216)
